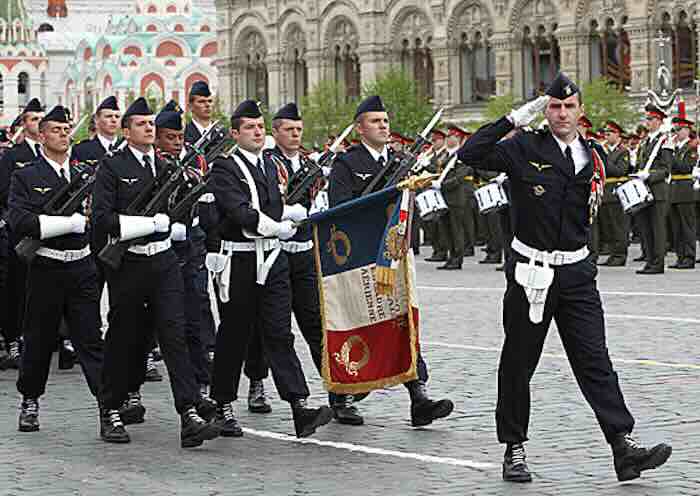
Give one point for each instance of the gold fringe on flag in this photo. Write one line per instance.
(385, 280)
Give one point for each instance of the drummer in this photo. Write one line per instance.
(451, 225)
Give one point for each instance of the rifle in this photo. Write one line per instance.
(304, 178)
(159, 190)
(397, 168)
(64, 202)
(208, 145)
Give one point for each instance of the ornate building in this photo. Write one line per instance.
(23, 63)
(459, 51)
(158, 51)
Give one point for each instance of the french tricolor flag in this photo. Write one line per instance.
(366, 288)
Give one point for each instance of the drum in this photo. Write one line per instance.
(320, 203)
(491, 198)
(431, 204)
(634, 195)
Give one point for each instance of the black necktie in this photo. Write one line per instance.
(64, 174)
(261, 167)
(37, 149)
(380, 162)
(570, 160)
(147, 164)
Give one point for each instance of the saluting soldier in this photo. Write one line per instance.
(17, 157)
(352, 172)
(254, 276)
(451, 224)
(682, 215)
(613, 222)
(552, 223)
(149, 274)
(62, 279)
(654, 167)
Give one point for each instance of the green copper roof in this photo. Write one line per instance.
(11, 10)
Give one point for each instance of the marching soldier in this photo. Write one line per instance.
(287, 130)
(62, 280)
(682, 215)
(149, 274)
(352, 172)
(654, 166)
(201, 103)
(106, 139)
(613, 222)
(550, 172)
(431, 228)
(16, 158)
(451, 225)
(254, 276)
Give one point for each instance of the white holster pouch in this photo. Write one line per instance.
(535, 280)
(219, 266)
(263, 264)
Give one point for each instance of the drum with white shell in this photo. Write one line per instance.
(431, 204)
(491, 198)
(634, 195)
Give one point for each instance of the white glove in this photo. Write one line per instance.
(161, 223)
(286, 230)
(326, 171)
(527, 113)
(215, 262)
(78, 222)
(178, 232)
(642, 174)
(696, 172)
(296, 212)
(501, 178)
(436, 185)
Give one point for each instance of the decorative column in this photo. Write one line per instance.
(507, 65)
(314, 66)
(568, 51)
(454, 73)
(11, 96)
(643, 54)
(441, 74)
(274, 76)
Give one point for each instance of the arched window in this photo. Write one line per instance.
(256, 70)
(45, 27)
(151, 28)
(23, 88)
(417, 62)
(179, 28)
(347, 70)
(685, 49)
(300, 77)
(2, 95)
(296, 73)
(477, 68)
(152, 9)
(541, 60)
(205, 29)
(172, 9)
(610, 53)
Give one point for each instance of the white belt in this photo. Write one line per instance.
(556, 257)
(2, 223)
(64, 255)
(195, 221)
(233, 246)
(151, 249)
(297, 246)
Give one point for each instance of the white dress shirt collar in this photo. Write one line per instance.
(57, 167)
(375, 154)
(253, 158)
(139, 156)
(106, 143)
(578, 152)
(200, 128)
(32, 144)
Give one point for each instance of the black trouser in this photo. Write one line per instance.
(16, 289)
(683, 224)
(469, 220)
(306, 308)
(494, 244)
(614, 228)
(201, 287)
(157, 281)
(574, 303)
(452, 231)
(4, 260)
(257, 310)
(196, 340)
(652, 226)
(55, 290)
(507, 230)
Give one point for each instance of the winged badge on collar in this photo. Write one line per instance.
(23, 164)
(42, 191)
(363, 177)
(540, 167)
(129, 180)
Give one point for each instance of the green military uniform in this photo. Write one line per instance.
(431, 228)
(682, 215)
(471, 212)
(492, 221)
(652, 219)
(612, 221)
(451, 225)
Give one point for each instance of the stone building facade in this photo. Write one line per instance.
(459, 51)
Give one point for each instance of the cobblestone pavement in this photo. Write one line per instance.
(654, 339)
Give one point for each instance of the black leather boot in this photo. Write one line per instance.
(227, 421)
(631, 458)
(112, 428)
(29, 415)
(423, 409)
(257, 399)
(195, 430)
(133, 411)
(515, 467)
(307, 420)
(345, 412)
